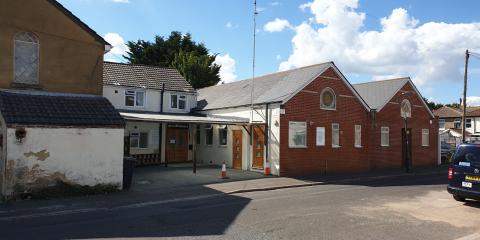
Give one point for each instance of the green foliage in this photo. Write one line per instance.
(191, 59)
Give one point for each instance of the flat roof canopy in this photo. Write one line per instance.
(212, 119)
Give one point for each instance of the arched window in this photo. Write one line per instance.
(406, 109)
(328, 99)
(26, 58)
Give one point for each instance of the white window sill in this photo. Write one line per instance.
(336, 146)
(384, 145)
(358, 146)
(328, 109)
(223, 146)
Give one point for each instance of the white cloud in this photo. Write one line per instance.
(277, 25)
(275, 3)
(473, 101)
(305, 6)
(278, 57)
(118, 47)
(121, 1)
(231, 25)
(227, 72)
(427, 52)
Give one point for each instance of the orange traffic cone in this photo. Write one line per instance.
(224, 170)
(267, 168)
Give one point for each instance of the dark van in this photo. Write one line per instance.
(464, 173)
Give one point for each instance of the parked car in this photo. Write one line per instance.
(464, 172)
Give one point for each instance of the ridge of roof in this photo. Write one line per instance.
(383, 80)
(79, 22)
(139, 65)
(268, 75)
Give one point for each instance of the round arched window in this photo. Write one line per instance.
(406, 109)
(327, 99)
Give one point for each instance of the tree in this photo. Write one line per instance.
(432, 105)
(191, 59)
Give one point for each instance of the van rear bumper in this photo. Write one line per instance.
(463, 192)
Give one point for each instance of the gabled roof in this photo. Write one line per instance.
(271, 88)
(144, 76)
(78, 22)
(378, 93)
(451, 112)
(57, 109)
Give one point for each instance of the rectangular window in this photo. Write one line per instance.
(457, 123)
(441, 123)
(335, 135)
(320, 136)
(173, 101)
(425, 137)
(182, 102)
(222, 136)
(197, 135)
(358, 136)
(385, 137)
(139, 140)
(134, 98)
(208, 135)
(297, 134)
(468, 123)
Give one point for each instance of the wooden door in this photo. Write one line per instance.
(404, 148)
(258, 147)
(177, 145)
(237, 148)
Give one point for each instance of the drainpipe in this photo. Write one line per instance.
(161, 97)
(160, 128)
(267, 162)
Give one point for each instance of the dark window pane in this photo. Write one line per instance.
(173, 101)
(181, 104)
(143, 140)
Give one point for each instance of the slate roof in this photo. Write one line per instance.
(378, 93)
(57, 109)
(78, 21)
(270, 88)
(144, 76)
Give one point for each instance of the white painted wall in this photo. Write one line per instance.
(85, 156)
(215, 154)
(152, 128)
(116, 95)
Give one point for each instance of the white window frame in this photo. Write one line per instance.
(425, 137)
(457, 121)
(137, 135)
(358, 136)
(385, 130)
(134, 93)
(180, 98)
(335, 133)
(467, 122)
(220, 130)
(291, 133)
(320, 139)
(441, 123)
(37, 44)
(325, 107)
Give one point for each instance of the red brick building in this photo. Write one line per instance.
(316, 122)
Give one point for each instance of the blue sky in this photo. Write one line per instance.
(422, 39)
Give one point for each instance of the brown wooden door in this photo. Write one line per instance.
(404, 147)
(258, 147)
(237, 148)
(177, 145)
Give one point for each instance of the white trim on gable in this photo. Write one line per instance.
(342, 77)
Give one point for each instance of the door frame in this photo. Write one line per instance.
(262, 129)
(240, 132)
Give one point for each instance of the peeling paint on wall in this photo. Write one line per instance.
(41, 156)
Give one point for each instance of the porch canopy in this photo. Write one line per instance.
(178, 118)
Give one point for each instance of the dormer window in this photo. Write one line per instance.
(26, 58)
(328, 99)
(178, 101)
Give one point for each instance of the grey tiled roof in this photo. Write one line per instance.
(377, 93)
(143, 76)
(52, 109)
(275, 87)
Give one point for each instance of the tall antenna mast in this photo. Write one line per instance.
(254, 51)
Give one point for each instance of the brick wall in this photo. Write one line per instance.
(305, 107)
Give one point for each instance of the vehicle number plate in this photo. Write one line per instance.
(467, 184)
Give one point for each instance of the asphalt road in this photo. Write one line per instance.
(407, 207)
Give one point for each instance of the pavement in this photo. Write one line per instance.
(372, 206)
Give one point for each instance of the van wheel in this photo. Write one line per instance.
(458, 198)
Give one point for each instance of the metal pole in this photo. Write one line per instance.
(467, 55)
(407, 155)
